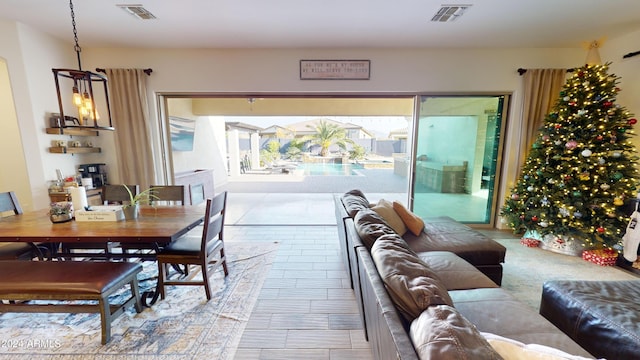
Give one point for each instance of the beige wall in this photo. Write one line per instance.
(209, 131)
(628, 70)
(30, 55)
(14, 176)
(441, 71)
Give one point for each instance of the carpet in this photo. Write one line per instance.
(526, 269)
(182, 326)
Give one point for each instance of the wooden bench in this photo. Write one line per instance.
(69, 280)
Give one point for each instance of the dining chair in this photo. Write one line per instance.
(14, 250)
(161, 195)
(111, 194)
(118, 194)
(205, 251)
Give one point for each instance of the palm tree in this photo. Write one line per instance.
(328, 134)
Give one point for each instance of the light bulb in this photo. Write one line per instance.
(87, 102)
(77, 98)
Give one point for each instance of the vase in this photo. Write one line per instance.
(60, 218)
(131, 212)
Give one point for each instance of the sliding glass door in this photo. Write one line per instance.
(457, 156)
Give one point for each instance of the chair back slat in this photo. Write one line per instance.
(9, 202)
(214, 220)
(167, 194)
(118, 193)
(196, 192)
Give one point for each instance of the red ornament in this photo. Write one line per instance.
(633, 121)
(567, 177)
(599, 138)
(534, 218)
(558, 126)
(581, 73)
(600, 230)
(573, 103)
(607, 104)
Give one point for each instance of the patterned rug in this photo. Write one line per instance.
(526, 269)
(182, 326)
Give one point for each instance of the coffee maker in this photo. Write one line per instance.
(96, 172)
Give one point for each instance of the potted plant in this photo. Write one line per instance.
(60, 212)
(132, 209)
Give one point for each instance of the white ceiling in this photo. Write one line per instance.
(329, 23)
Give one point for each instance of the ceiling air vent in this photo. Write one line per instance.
(137, 11)
(448, 13)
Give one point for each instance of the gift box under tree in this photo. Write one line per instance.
(602, 257)
(530, 242)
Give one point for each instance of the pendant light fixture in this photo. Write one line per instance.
(76, 88)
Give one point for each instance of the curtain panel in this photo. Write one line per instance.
(130, 112)
(541, 90)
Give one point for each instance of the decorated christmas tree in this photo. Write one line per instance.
(581, 168)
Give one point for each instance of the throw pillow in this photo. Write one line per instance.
(412, 286)
(442, 333)
(370, 226)
(513, 349)
(385, 209)
(413, 222)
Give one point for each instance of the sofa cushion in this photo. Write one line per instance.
(370, 226)
(413, 222)
(354, 201)
(412, 286)
(384, 208)
(440, 332)
(454, 272)
(512, 349)
(446, 234)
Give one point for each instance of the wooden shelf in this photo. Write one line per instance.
(74, 150)
(72, 131)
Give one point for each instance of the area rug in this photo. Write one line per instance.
(526, 269)
(182, 326)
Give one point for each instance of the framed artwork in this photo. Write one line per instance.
(335, 69)
(182, 133)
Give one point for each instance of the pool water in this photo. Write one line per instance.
(316, 169)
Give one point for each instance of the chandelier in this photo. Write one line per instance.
(84, 92)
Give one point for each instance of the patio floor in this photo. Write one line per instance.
(287, 199)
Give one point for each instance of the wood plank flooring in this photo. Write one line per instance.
(306, 309)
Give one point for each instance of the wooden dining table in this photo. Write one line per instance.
(155, 226)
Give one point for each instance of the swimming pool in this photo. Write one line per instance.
(317, 169)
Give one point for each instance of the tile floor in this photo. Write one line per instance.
(306, 308)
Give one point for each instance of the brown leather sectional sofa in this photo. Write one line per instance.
(414, 291)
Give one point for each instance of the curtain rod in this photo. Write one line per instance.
(631, 54)
(521, 71)
(146, 71)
